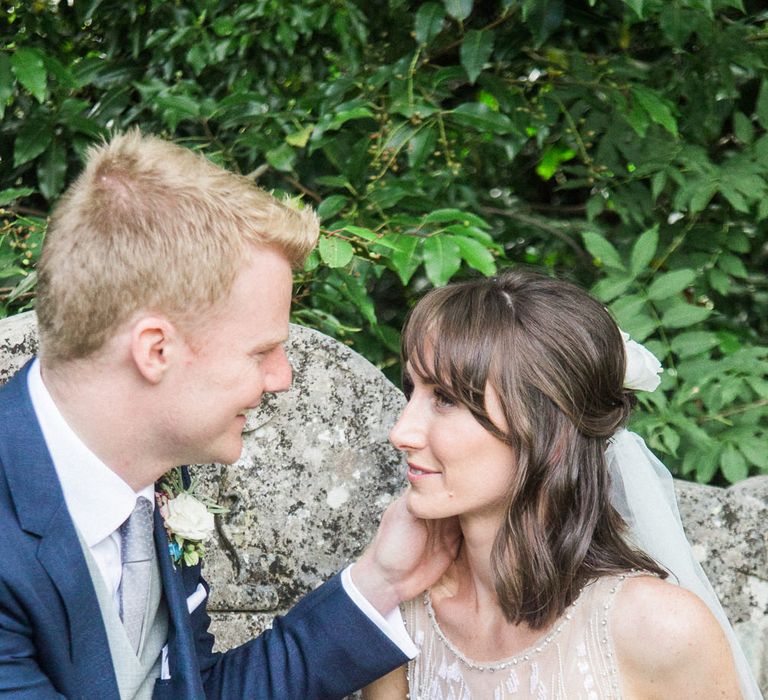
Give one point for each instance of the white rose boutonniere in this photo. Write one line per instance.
(643, 368)
(188, 519)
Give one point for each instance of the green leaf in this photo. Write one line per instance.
(543, 17)
(334, 251)
(442, 216)
(702, 193)
(643, 250)
(476, 255)
(719, 281)
(640, 326)
(281, 158)
(683, 315)
(197, 57)
(656, 108)
(180, 106)
(705, 461)
(658, 182)
(754, 449)
(670, 283)
(551, 160)
(9, 195)
(628, 307)
(223, 26)
(738, 241)
(671, 439)
(6, 82)
(422, 146)
(602, 251)
(51, 171)
(476, 49)
(331, 206)
(355, 291)
(609, 288)
(732, 265)
(404, 260)
(729, 342)
(482, 118)
(442, 259)
(761, 107)
(742, 128)
(429, 22)
(458, 9)
(32, 139)
(691, 343)
(29, 68)
(347, 115)
(299, 138)
(733, 464)
(734, 197)
(26, 285)
(636, 5)
(364, 233)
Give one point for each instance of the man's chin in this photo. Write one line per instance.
(231, 453)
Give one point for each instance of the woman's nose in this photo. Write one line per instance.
(408, 432)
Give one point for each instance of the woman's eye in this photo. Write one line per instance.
(442, 400)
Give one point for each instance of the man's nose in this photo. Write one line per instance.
(278, 372)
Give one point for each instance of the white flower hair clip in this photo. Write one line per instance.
(643, 367)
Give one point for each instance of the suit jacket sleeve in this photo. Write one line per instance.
(325, 647)
(20, 674)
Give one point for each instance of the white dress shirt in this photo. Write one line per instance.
(99, 502)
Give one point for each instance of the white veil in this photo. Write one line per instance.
(643, 494)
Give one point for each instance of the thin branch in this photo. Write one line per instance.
(735, 411)
(303, 189)
(506, 15)
(256, 173)
(27, 211)
(533, 221)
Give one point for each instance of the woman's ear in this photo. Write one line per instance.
(155, 345)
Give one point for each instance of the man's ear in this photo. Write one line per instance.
(155, 344)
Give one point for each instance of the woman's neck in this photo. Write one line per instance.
(466, 605)
(471, 577)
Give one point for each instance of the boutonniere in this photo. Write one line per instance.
(188, 518)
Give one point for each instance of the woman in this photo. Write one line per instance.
(515, 390)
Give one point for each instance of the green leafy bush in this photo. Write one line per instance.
(621, 143)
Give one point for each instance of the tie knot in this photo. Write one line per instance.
(136, 542)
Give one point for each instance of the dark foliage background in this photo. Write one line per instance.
(621, 143)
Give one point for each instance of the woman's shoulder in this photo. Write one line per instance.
(664, 611)
(667, 634)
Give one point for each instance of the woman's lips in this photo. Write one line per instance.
(415, 472)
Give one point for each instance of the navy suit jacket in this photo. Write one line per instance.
(52, 639)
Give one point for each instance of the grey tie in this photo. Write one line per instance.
(137, 551)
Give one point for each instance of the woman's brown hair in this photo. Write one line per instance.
(555, 358)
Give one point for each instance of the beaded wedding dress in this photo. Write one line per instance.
(573, 660)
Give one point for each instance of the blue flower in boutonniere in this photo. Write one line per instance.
(188, 518)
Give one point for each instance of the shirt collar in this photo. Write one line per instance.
(97, 499)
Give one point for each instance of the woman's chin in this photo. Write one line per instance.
(418, 508)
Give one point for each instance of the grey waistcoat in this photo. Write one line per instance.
(135, 675)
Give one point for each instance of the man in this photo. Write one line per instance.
(164, 294)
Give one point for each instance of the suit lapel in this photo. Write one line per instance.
(42, 512)
(182, 659)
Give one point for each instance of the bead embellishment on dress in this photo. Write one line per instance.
(524, 655)
(549, 669)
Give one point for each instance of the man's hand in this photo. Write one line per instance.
(406, 557)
